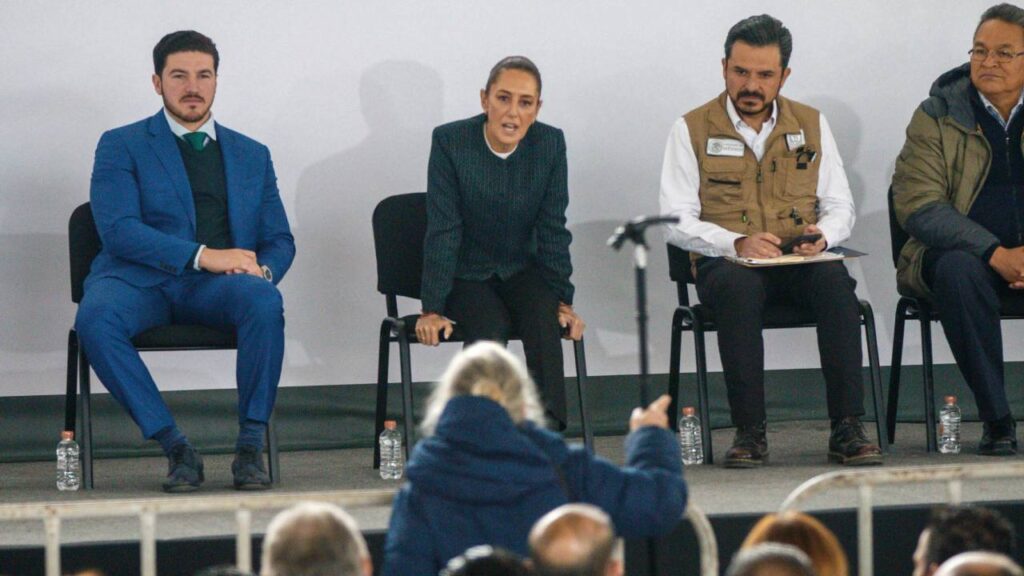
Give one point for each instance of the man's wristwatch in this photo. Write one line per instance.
(267, 274)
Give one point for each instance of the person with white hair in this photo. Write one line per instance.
(487, 469)
(770, 559)
(315, 539)
(978, 563)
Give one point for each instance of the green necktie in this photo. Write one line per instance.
(196, 139)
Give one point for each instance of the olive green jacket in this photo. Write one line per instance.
(939, 172)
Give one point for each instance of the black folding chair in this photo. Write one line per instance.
(699, 319)
(922, 310)
(84, 244)
(399, 226)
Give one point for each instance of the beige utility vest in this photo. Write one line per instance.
(738, 193)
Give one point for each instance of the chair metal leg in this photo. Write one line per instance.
(71, 392)
(895, 367)
(383, 361)
(581, 385)
(703, 405)
(928, 376)
(403, 354)
(85, 419)
(876, 374)
(274, 461)
(674, 367)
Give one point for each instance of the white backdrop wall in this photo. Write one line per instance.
(346, 94)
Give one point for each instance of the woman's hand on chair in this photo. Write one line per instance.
(429, 327)
(571, 322)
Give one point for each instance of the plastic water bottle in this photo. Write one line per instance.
(390, 451)
(69, 475)
(949, 427)
(689, 437)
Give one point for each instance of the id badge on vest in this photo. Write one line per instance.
(725, 147)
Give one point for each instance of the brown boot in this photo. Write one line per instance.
(849, 445)
(749, 447)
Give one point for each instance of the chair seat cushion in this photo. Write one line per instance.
(185, 337)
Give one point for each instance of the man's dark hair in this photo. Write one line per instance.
(486, 561)
(1004, 12)
(183, 41)
(513, 63)
(763, 30)
(957, 529)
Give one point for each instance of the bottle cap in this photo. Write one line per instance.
(689, 411)
(390, 424)
(950, 399)
(67, 435)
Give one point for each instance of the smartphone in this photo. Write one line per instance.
(787, 248)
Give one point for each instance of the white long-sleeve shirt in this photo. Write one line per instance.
(680, 186)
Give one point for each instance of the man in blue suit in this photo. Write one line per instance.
(193, 232)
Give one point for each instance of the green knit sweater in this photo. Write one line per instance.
(490, 217)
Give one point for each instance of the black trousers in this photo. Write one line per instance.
(523, 305)
(738, 295)
(969, 295)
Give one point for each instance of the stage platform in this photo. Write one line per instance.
(733, 499)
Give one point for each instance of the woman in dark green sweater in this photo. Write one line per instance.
(496, 256)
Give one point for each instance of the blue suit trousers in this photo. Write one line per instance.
(113, 311)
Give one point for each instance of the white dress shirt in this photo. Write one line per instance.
(680, 186)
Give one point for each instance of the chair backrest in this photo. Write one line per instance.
(897, 235)
(680, 272)
(83, 246)
(399, 227)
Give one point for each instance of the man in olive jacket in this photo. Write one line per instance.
(958, 191)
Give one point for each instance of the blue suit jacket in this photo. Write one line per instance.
(144, 211)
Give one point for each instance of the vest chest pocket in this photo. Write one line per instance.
(796, 178)
(722, 184)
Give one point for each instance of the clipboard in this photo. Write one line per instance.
(830, 255)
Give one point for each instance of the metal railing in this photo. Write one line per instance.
(705, 539)
(866, 480)
(52, 513)
(147, 511)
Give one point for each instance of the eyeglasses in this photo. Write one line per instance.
(1002, 56)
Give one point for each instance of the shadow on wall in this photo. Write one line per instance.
(606, 293)
(875, 272)
(35, 294)
(330, 332)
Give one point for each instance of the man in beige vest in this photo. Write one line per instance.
(745, 173)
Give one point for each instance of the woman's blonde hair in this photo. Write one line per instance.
(486, 369)
(806, 533)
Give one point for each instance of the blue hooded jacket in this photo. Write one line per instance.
(480, 479)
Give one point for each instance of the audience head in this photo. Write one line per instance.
(575, 540)
(979, 564)
(955, 529)
(806, 533)
(770, 559)
(315, 539)
(486, 369)
(486, 561)
(223, 570)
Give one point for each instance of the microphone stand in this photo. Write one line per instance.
(634, 231)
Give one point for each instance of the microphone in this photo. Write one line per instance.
(635, 228)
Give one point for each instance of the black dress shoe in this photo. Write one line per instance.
(749, 447)
(999, 437)
(248, 469)
(849, 445)
(184, 470)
